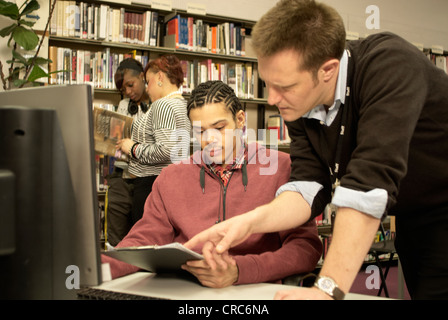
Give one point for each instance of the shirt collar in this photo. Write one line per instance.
(236, 163)
(319, 112)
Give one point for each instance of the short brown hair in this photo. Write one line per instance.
(170, 65)
(314, 30)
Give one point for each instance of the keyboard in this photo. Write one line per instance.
(100, 294)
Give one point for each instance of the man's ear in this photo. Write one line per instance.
(329, 70)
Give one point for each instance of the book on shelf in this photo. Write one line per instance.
(104, 166)
(276, 122)
(102, 22)
(83, 66)
(108, 128)
(98, 68)
(440, 61)
(239, 76)
(196, 35)
(154, 258)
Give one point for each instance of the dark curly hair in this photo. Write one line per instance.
(214, 92)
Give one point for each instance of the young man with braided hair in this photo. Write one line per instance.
(215, 184)
(368, 123)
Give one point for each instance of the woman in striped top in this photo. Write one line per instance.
(155, 135)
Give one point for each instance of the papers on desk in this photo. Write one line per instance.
(158, 259)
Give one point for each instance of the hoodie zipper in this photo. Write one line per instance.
(223, 188)
(224, 193)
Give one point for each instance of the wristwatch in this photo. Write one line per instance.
(327, 285)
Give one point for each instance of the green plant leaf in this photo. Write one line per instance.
(37, 73)
(9, 9)
(39, 61)
(19, 57)
(19, 82)
(25, 38)
(7, 30)
(16, 61)
(27, 23)
(30, 7)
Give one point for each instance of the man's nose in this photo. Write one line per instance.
(274, 97)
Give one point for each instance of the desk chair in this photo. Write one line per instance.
(379, 248)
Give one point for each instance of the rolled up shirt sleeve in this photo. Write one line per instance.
(372, 202)
(308, 189)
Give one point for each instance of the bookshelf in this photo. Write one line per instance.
(106, 25)
(92, 41)
(85, 40)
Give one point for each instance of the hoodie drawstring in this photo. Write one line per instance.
(244, 171)
(202, 179)
(244, 177)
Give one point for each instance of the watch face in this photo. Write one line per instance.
(326, 285)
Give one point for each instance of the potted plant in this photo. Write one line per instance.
(23, 70)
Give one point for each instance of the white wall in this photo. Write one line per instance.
(421, 21)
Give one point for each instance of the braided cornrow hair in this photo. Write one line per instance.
(214, 92)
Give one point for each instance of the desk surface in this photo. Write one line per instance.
(177, 288)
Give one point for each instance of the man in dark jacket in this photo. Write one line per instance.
(369, 130)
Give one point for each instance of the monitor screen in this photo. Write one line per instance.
(52, 219)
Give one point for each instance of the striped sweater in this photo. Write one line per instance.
(157, 133)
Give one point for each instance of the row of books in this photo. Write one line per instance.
(83, 66)
(101, 22)
(102, 221)
(276, 122)
(242, 77)
(104, 165)
(440, 61)
(98, 68)
(196, 35)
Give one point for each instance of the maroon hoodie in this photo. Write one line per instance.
(185, 201)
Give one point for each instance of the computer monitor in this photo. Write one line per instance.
(49, 206)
